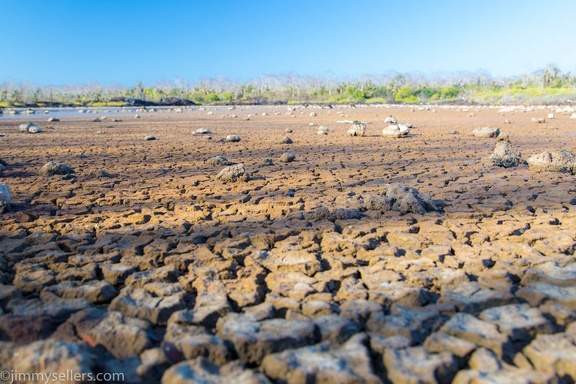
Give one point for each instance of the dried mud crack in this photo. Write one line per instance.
(365, 258)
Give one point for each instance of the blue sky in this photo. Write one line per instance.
(56, 42)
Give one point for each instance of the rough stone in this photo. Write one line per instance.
(401, 198)
(202, 131)
(391, 120)
(218, 160)
(233, 173)
(52, 168)
(30, 128)
(232, 139)
(287, 157)
(505, 155)
(396, 130)
(486, 132)
(558, 161)
(358, 128)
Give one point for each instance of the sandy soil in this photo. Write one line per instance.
(150, 201)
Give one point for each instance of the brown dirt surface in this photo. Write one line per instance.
(294, 235)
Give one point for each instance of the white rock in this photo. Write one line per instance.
(391, 120)
(232, 138)
(202, 131)
(30, 128)
(357, 129)
(487, 132)
(396, 130)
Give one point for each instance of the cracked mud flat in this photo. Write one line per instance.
(144, 263)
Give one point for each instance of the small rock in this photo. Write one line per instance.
(267, 162)
(149, 138)
(218, 160)
(558, 161)
(53, 119)
(486, 132)
(538, 120)
(322, 130)
(396, 130)
(30, 128)
(286, 140)
(52, 168)
(5, 198)
(287, 157)
(233, 173)
(202, 131)
(391, 120)
(358, 128)
(232, 139)
(505, 155)
(401, 198)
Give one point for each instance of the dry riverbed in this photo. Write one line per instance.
(145, 262)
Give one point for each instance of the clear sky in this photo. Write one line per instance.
(56, 42)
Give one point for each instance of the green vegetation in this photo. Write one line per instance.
(546, 86)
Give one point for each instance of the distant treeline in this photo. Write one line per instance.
(546, 86)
